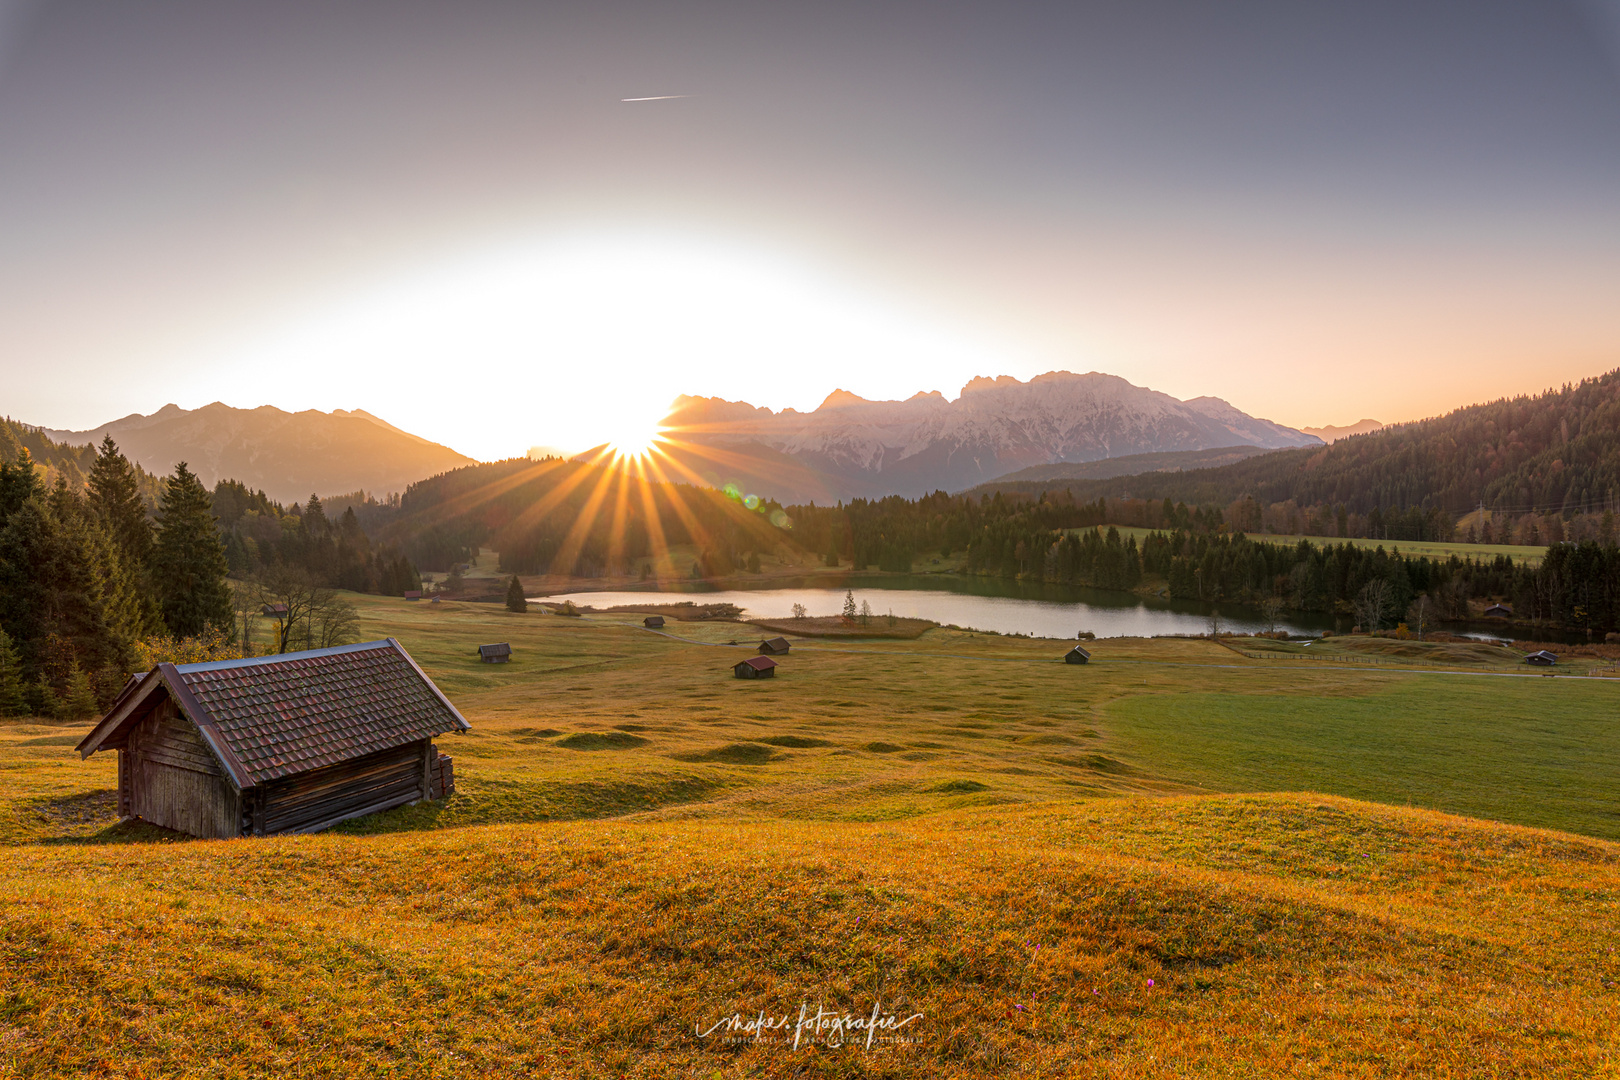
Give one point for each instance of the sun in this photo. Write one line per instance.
(633, 439)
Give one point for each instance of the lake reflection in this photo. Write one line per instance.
(983, 604)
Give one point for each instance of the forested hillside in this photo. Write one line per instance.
(72, 463)
(1555, 455)
(578, 518)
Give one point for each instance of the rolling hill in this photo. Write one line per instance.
(1088, 872)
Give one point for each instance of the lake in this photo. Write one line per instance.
(1006, 607)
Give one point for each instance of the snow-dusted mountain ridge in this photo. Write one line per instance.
(994, 427)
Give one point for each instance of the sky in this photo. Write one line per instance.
(449, 214)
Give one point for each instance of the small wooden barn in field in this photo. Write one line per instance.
(1498, 611)
(776, 646)
(278, 744)
(653, 622)
(755, 667)
(1076, 655)
(499, 653)
(413, 594)
(1542, 658)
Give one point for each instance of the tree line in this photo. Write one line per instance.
(99, 579)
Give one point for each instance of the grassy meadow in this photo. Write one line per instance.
(1154, 862)
(1530, 555)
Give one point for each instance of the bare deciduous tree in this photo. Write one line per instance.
(307, 615)
(1421, 613)
(1271, 609)
(1370, 604)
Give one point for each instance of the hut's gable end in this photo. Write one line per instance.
(168, 737)
(169, 777)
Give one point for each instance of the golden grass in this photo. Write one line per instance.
(957, 826)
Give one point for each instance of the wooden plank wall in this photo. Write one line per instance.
(321, 798)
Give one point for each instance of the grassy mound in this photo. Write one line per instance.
(602, 740)
(1268, 936)
(735, 754)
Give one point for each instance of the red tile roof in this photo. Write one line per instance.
(758, 663)
(281, 715)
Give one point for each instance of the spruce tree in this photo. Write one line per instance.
(78, 701)
(188, 559)
(515, 600)
(115, 498)
(849, 605)
(13, 698)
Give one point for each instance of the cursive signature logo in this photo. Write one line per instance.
(813, 1028)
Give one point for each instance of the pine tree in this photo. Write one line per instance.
(188, 560)
(13, 697)
(849, 605)
(515, 600)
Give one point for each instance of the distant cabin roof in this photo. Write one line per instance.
(758, 663)
(268, 717)
(1499, 609)
(274, 610)
(413, 594)
(653, 620)
(1542, 656)
(498, 649)
(775, 645)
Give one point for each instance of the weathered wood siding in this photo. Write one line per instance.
(169, 777)
(321, 798)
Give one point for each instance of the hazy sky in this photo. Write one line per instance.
(447, 214)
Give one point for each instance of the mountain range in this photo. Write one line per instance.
(850, 446)
(287, 455)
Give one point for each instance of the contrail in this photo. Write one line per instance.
(660, 97)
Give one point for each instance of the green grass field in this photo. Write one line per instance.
(957, 826)
(1517, 552)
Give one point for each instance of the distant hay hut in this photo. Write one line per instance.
(293, 743)
(1542, 658)
(653, 622)
(776, 646)
(499, 653)
(1076, 655)
(413, 594)
(1498, 611)
(755, 667)
(274, 611)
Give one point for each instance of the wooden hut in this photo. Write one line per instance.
(278, 744)
(499, 653)
(413, 594)
(274, 611)
(1076, 655)
(1498, 611)
(653, 622)
(1542, 658)
(776, 646)
(755, 667)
